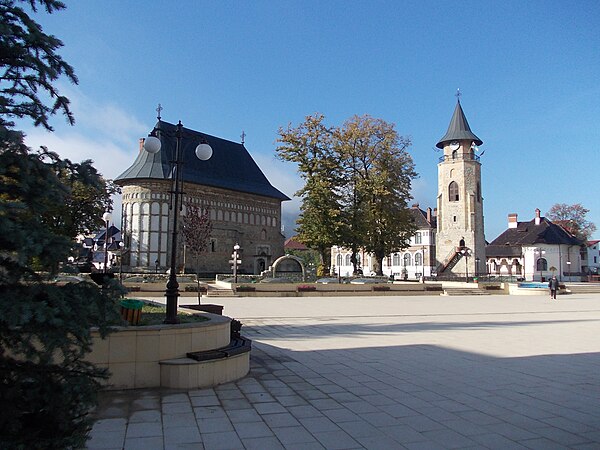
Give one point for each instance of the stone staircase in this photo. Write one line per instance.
(583, 288)
(463, 291)
(218, 292)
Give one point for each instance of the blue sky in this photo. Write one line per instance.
(529, 73)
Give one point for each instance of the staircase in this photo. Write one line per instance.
(451, 260)
(213, 292)
(462, 291)
(583, 288)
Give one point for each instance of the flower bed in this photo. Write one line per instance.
(381, 288)
(306, 288)
(245, 288)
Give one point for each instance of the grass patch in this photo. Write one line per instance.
(155, 315)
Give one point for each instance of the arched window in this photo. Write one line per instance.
(418, 259)
(542, 264)
(396, 259)
(453, 191)
(339, 260)
(454, 154)
(348, 261)
(407, 260)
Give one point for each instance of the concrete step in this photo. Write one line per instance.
(464, 291)
(583, 288)
(213, 292)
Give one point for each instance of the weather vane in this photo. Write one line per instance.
(243, 136)
(158, 110)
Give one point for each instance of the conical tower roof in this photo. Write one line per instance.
(458, 129)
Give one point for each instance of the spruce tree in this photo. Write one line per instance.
(47, 388)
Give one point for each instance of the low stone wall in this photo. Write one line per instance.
(133, 354)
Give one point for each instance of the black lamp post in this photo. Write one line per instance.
(106, 217)
(466, 253)
(204, 151)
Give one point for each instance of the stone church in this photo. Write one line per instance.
(460, 240)
(245, 209)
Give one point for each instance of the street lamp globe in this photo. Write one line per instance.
(236, 247)
(152, 144)
(204, 152)
(106, 216)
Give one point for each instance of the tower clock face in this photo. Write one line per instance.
(454, 145)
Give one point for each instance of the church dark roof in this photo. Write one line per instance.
(458, 129)
(510, 242)
(230, 167)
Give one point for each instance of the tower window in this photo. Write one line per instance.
(453, 191)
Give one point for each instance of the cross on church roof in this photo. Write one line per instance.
(158, 110)
(458, 94)
(243, 136)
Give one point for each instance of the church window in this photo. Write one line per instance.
(396, 259)
(407, 260)
(339, 260)
(454, 154)
(263, 234)
(453, 191)
(478, 192)
(348, 261)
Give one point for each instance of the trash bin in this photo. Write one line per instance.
(131, 311)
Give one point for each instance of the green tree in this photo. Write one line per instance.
(46, 387)
(88, 196)
(197, 229)
(30, 65)
(310, 146)
(379, 172)
(573, 219)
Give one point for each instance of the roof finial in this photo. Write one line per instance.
(158, 110)
(243, 136)
(458, 94)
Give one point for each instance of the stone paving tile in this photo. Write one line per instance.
(334, 440)
(223, 440)
(252, 430)
(182, 435)
(144, 443)
(244, 415)
(494, 441)
(215, 425)
(293, 435)
(143, 429)
(262, 443)
(280, 420)
(178, 420)
(106, 439)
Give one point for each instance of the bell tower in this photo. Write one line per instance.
(460, 241)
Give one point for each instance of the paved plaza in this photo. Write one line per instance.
(422, 372)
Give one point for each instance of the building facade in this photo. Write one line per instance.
(412, 263)
(460, 242)
(534, 251)
(244, 208)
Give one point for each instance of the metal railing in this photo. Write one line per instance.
(459, 157)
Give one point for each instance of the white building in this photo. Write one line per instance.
(412, 263)
(535, 250)
(593, 258)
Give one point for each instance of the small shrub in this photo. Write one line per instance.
(243, 288)
(381, 288)
(306, 288)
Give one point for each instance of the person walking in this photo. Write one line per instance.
(553, 285)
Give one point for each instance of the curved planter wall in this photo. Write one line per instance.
(155, 356)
